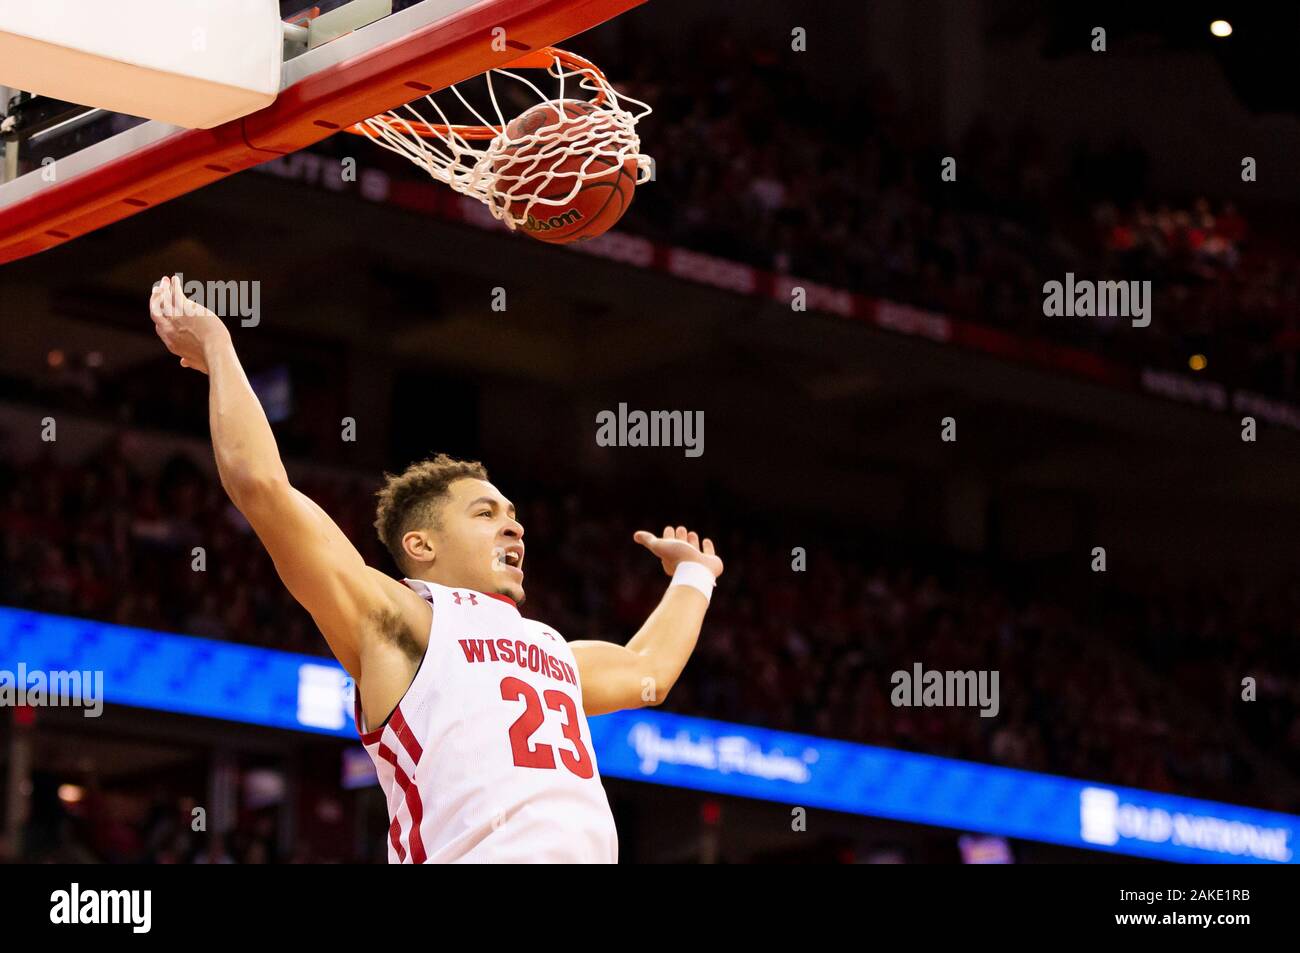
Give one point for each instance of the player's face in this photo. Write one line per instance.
(480, 544)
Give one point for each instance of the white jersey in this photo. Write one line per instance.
(488, 757)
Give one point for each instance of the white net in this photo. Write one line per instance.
(586, 130)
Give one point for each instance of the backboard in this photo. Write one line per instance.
(68, 170)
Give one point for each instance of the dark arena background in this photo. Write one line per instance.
(988, 322)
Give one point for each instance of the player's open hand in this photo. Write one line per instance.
(678, 546)
(185, 326)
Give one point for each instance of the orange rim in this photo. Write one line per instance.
(542, 58)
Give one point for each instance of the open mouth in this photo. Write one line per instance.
(509, 559)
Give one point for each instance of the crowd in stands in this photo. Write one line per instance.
(849, 194)
(139, 825)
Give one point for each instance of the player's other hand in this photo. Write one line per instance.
(678, 546)
(186, 327)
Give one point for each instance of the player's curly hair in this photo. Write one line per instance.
(409, 500)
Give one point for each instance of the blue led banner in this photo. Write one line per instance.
(176, 673)
(241, 683)
(806, 771)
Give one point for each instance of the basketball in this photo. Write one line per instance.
(601, 200)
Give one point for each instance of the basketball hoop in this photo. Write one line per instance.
(545, 156)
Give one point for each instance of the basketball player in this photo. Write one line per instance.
(476, 717)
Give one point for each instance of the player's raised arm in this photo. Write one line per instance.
(641, 673)
(320, 567)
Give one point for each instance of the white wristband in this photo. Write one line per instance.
(695, 575)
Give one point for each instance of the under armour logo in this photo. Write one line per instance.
(473, 599)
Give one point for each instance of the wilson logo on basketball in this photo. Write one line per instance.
(535, 224)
